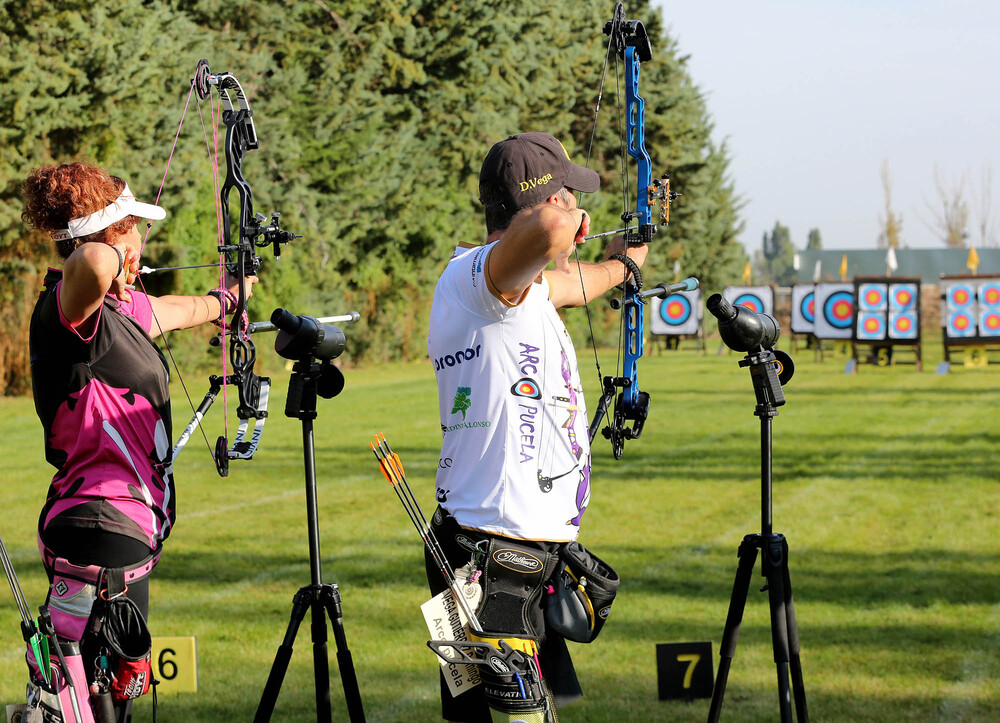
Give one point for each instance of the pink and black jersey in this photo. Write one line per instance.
(104, 405)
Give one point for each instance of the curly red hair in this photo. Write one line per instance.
(55, 195)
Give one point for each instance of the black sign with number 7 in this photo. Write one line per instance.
(684, 670)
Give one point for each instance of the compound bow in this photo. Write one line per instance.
(239, 258)
(630, 43)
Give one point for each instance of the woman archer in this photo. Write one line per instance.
(100, 387)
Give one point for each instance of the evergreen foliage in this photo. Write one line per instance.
(776, 258)
(373, 119)
(815, 242)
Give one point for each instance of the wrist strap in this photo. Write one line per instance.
(121, 261)
(631, 267)
(227, 299)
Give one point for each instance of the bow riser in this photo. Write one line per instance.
(635, 133)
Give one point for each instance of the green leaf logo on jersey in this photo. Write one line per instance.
(463, 400)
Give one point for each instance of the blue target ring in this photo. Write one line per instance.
(961, 296)
(807, 307)
(838, 309)
(750, 301)
(675, 310)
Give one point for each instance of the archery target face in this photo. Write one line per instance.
(803, 308)
(960, 296)
(903, 325)
(872, 297)
(759, 299)
(960, 324)
(903, 297)
(834, 311)
(871, 326)
(989, 294)
(677, 314)
(989, 323)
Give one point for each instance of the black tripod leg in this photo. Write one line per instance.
(737, 602)
(300, 603)
(798, 689)
(321, 661)
(345, 662)
(775, 571)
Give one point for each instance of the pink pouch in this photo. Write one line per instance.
(60, 707)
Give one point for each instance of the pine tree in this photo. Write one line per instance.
(775, 260)
(373, 120)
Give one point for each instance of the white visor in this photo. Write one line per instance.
(125, 205)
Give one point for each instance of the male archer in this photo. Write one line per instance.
(512, 411)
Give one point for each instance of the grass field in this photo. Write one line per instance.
(885, 484)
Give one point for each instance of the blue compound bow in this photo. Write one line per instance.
(629, 43)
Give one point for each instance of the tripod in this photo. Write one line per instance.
(774, 556)
(309, 378)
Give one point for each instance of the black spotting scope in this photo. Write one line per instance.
(302, 336)
(742, 329)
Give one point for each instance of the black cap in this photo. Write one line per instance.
(527, 168)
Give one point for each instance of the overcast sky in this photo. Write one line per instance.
(812, 95)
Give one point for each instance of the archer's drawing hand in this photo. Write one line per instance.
(583, 228)
(125, 280)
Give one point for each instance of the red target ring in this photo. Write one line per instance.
(960, 296)
(961, 323)
(838, 310)
(903, 325)
(872, 297)
(675, 310)
(990, 323)
(750, 301)
(871, 325)
(808, 307)
(526, 387)
(903, 297)
(989, 294)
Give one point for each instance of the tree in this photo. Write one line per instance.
(985, 223)
(373, 120)
(815, 243)
(776, 258)
(949, 219)
(891, 223)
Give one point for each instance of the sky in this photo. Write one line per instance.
(812, 97)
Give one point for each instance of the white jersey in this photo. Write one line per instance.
(515, 460)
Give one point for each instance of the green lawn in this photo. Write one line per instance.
(885, 484)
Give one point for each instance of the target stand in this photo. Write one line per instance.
(970, 319)
(886, 321)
